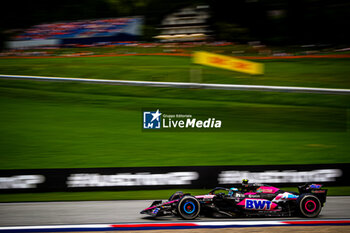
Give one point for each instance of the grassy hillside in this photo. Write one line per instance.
(74, 125)
(58, 125)
(300, 72)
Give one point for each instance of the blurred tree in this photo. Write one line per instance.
(231, 32)
(148, 32)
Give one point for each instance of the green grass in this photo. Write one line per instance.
(55, 129)
(126, 195)
(72, 125)
(332, 73)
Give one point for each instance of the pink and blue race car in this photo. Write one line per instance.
(249, 200)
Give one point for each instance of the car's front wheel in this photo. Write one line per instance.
(188, 207)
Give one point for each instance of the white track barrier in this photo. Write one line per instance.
(188, 85)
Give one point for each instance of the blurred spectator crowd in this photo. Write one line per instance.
(85, 28)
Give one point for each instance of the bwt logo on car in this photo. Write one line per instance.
(254, 204)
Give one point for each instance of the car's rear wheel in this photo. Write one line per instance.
(188, 207)
(309, 206)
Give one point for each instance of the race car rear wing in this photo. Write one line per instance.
(314, 189)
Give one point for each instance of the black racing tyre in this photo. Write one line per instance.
(188, 207)
(176, 195)
(309, 206)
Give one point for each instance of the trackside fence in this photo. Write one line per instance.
(188, 177)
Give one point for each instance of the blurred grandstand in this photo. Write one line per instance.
(187, 24)
(75, 33)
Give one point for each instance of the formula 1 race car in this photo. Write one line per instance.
(253, 200)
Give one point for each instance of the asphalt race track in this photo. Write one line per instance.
(89, 212)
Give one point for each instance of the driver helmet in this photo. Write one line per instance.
(232, 191)
(245, 182)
